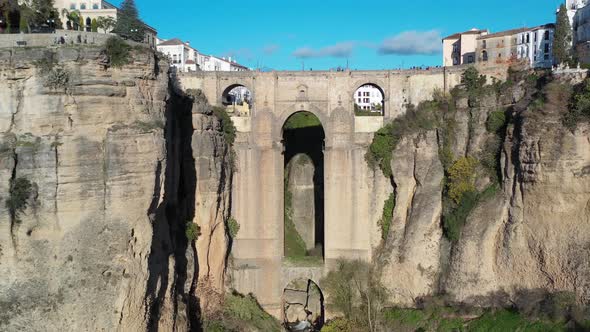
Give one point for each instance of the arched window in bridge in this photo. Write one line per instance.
(369, 100)
(237, 100)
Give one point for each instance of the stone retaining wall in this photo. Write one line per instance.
(52, 39)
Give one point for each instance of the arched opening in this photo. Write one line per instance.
(484, 55)
(303, 139)
(369, 100)
(237, 100)
(303, 306)
(88, 24)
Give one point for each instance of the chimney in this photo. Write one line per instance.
(229, 59)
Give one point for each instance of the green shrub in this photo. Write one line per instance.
(387, 216)
(192, 231)
(233, 227)
(227, 125)
(94, 25)
(339, 325)
(354, 289)
(246, 309)
(57, 78)
(455, 214)
(117, 51)
(456, 217)
(416, 119)
(489, 157)
(496, 122)
(20, 191)
(579, 110)
(474, 83)
(462, 178)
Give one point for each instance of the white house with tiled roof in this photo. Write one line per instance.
(187, 59)
(182, 56)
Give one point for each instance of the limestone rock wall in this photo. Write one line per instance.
(533, 234)
(117, 169)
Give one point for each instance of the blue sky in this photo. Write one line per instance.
(378, 34)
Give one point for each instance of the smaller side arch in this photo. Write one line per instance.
(296, 108)
(369, 97)
(238, 99)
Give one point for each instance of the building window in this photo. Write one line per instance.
(484, 55)
(547, 35)
(360, 94)
(484, 44)
(82, 6)
(95, 6)
(535, 35)
(546, 48)
(470, 59)
(73, 6)
(546, 57)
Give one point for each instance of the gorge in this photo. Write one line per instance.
(130, 200)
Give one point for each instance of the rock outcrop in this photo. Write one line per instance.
(533, 234)
(115, 172)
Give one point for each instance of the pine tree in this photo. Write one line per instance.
(128, 24)
(562, 42)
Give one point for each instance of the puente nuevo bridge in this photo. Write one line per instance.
(353, 193)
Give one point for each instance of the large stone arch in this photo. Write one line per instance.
(301, 107)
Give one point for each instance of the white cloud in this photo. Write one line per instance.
(271, 49)
(340, 50)
(413, 43)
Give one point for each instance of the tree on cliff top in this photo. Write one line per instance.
(129, 26)
(562, 42)
(37, 13)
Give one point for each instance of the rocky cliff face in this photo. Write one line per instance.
(531, 234)
(101, 169)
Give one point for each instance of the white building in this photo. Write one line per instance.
(187, 59)
(536, 46)
(93, 9)
(572, 8)
(213, 63)
(182, 56)
(369, 98)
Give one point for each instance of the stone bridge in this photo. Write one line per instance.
(353, 194)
